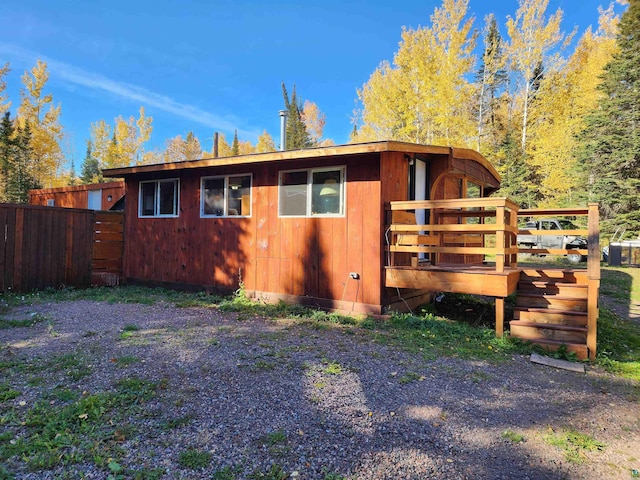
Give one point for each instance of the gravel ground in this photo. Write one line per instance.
(323, 403)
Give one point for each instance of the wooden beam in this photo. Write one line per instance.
(550, 212)
(499, 317)
(580, 232)
(496, 285)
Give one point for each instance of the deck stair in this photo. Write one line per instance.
(551, 309)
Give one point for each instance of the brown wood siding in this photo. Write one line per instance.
(77, 196)
(44, 247)
(309, 257)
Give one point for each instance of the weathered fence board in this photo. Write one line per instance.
(44, 247)
(108, 248)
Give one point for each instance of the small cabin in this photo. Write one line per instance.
(308, 226)
(95, 196)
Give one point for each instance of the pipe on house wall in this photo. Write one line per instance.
(283, 130)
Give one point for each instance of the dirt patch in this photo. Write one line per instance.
(317, 401)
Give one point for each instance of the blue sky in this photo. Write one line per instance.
(206, 66)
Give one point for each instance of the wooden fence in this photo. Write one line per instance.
(44, 247)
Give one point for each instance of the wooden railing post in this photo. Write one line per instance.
(593, 275)
(513, 239)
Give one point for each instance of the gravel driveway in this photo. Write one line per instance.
(319, 401)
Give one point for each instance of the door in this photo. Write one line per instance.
(95, 200)
(419, 192)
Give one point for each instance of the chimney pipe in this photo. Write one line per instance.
(283, 130)
(215, 144)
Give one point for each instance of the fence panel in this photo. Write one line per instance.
(108, 248)
(44, 247)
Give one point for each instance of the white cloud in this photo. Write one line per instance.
(134, 93)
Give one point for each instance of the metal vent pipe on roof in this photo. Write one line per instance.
(283, 130)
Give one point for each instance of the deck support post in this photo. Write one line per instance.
(593, 274)
(499, 316)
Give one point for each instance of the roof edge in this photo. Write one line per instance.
(308, 153)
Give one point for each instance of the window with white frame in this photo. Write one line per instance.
(225, 196)
(159, 198)
(313, 192)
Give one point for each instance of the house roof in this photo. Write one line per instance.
(78, 188)
(318, 152)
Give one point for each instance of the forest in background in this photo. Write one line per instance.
(561, 126)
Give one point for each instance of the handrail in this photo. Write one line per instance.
(442, 237)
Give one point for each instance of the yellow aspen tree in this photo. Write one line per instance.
(101, 141)
(175, 149)
(245, 147)
(193, 149)
(122, 145)
(532, 39)
(179, 149)
(265, 143)
(424, 97)
(314, 120)
(38, 111)
(558, 115)
(5, 103)
(224, 149)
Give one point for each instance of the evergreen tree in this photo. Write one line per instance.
(90, 172)
(72, 173)
(609, 147)
(235, 146)
(7, 152)
(297, 134)
(492, 80)
(21, 178)
(519, 181)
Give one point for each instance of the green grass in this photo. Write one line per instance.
(32, 320)
(276, 472)
(334, 368)
(410, 377)
(433, 336)
(619, 338)
(572, 443)
(46, 434)
(512, 436)
(622, 283)
(194, 459)
(618, 345)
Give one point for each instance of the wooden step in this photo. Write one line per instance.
(550, 331)
(552, 302)
(545, 315)
(565, 275)
(580, 349)
(562, 289)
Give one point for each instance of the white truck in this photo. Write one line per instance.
(559, 241)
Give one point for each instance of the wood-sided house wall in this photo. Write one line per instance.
(312, 260)
(77, 196)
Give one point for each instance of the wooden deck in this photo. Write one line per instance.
(456, 278)
(559, 306)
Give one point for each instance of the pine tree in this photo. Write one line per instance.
(21, 178)
(90, 172)
(609, 148)
(492, 79)
(297, 134)
(7, 151)
(235, 146)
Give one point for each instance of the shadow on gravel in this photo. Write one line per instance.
(320, 401)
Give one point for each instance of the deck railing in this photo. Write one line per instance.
(592, 234)
(464, 232)
(455, 231)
